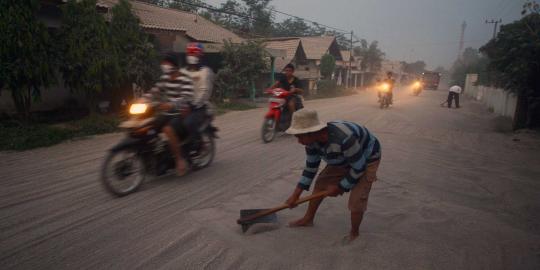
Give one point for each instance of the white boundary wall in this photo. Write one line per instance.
(502, 102)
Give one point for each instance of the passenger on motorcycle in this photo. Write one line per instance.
(292, 84)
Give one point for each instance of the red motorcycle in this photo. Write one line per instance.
(278, 118)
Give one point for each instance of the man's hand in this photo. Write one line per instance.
(291, 201)
(165, 106)
(334, 191)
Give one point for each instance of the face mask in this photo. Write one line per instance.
(192, 60)
(166, 69)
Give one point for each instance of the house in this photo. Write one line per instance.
(348, 69)
(314, 47)
(393, 66)
(171, 29)
(174, 29)
(287, 51)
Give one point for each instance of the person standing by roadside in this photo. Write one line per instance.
(453, 94)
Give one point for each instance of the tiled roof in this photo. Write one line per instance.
(195, 26)
(290, 46)
(316, 47)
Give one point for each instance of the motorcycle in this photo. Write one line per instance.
(384, 95)
(278, 117)
(417, 88)
(145, 150)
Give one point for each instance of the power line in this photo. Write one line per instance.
(225, 11)
(306, 20)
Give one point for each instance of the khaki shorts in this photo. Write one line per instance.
(358, 197)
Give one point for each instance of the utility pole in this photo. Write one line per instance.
(350, 60)
(495, 22)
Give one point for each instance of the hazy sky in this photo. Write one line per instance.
(408, 29)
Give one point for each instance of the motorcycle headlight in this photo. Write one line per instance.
(137, 108)
(385, 87)
(417, 84)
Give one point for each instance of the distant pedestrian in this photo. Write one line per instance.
(453, 94)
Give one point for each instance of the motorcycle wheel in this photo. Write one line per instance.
(205, 154)
(123, 172)
(268, 130)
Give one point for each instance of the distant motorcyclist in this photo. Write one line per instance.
(391, 83)
(292, 84)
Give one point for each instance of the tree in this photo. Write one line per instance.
(88, 61)
(471, 61)
(242, 64)
(440, 69)
(328, 65)
(296, 27)
(252, 17)
(414, 68)
(515, 55)
(26, 53)
(530, 7)
(371, 55)
(185, 5)
(292, 27)
(136, 57)
(262, 16)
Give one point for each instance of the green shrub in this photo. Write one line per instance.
(329, 88)
(22, 136)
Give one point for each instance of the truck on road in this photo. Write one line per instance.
(431, 80)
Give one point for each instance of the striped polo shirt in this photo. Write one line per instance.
(178, 89)
(349, 144)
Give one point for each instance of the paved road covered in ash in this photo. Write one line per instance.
(452, 194)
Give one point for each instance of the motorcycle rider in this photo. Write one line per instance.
(188, 91)
(391, 82)
(292, 84)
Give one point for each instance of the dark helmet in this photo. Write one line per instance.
(171, 58)
(291, 66)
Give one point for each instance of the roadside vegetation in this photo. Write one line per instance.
(510, 62)
(17, 135)
(100, 59)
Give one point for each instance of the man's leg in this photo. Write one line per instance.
(291, 105)
(457, 100)
(307, 219)
(174, 144)
(449, 99)
(331, 175)
(356, 220)
(358, 199)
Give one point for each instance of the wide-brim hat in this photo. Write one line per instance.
(305, 121)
